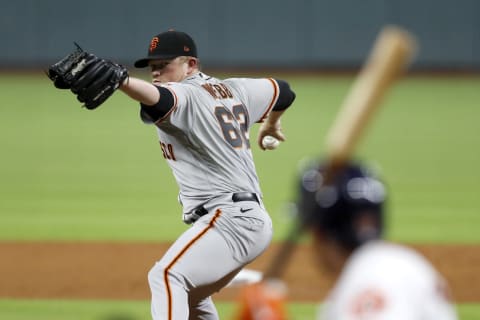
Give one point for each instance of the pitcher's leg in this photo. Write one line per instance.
(169, 294)
(198, 264)
(204, 310)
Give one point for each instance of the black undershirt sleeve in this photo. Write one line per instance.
(153, 113)
(285, 96)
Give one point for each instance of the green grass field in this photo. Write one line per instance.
(140, 310)
(69, 174)
(72, 174)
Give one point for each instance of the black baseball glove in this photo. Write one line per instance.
(89, 77)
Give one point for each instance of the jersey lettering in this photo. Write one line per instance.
(242, 117)
(218, 91)
(167, 151)
(235, 137)
(368, 303)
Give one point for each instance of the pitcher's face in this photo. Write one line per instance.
(173, 70)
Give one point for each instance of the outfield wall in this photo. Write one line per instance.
(268, 33)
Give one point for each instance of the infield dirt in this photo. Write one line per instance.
(119, 271)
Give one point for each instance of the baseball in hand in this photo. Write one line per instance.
(270, 143)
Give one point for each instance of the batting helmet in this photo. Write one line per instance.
(340, 208)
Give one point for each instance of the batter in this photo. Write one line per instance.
(376, 279)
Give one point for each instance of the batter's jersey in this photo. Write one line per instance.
(205, 135)
(383, 281)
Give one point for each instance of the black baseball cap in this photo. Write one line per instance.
(168, 45)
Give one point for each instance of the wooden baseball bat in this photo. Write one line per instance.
(392, 52)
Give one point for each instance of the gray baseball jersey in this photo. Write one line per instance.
(204, 138)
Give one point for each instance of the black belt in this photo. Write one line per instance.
(245, 196)
(236, 197)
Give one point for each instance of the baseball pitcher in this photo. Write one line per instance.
(203, 126)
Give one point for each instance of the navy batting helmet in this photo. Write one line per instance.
(339, 208)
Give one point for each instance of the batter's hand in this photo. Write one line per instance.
(263, 301)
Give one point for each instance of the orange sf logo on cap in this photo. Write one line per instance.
(186, 49)
(154, 43)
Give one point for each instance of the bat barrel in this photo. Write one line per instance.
(392, 52)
